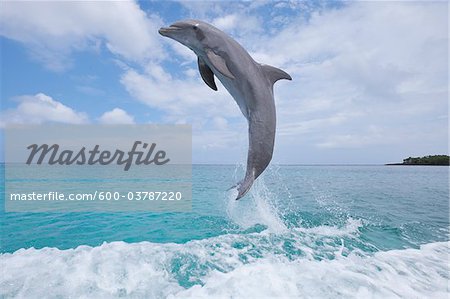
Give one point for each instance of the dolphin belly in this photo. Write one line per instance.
(237, 95)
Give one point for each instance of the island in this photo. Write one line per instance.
(435, 160)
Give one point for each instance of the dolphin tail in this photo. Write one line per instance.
(261, 141)
(244, 186)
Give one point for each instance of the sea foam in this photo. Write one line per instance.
(409, 273)
(219, 268)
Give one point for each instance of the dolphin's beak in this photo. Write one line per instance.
(167, 31)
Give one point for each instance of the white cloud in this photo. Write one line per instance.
(52, 30)
(220, 123)
(116, 116)
(314, 125)
(227, 22)
(374, 135)
(187, 99)
(41, 108)
(379, 64)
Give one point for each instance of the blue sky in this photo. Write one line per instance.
(370, 79)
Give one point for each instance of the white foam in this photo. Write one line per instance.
(110, 270)
(406, 273)
(350, 228)
(146, 270)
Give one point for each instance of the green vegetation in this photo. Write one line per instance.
(427, 160)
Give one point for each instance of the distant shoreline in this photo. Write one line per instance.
(403, 164)
(436, 160)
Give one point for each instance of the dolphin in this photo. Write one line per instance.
(249, 83)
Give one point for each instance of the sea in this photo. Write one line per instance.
(321, 231)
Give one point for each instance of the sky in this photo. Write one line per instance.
(370, 79)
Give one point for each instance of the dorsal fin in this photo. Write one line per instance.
(274, 74)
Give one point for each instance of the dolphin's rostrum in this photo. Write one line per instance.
(248, 82)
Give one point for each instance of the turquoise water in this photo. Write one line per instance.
(303, 231)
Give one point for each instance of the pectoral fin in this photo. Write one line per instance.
(206, 73)
(219, 63)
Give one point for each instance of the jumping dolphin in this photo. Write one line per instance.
(248, 82)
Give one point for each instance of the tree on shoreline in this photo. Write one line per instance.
(428, 160)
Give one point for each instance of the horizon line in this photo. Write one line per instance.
(282, 165)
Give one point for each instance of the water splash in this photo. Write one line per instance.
(258, 207)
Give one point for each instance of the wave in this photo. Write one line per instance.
(408, 273)
(229, 266)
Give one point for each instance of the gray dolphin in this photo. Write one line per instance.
(248, 82)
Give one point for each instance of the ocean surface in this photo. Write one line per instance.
(302, 232)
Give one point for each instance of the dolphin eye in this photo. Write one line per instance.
(195, 27)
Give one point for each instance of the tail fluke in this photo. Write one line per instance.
(244, 186)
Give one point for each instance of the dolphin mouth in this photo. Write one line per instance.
(166, 31)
